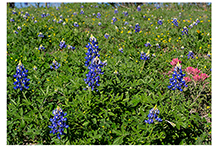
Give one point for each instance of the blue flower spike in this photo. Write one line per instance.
(152, 116)
(58, 122)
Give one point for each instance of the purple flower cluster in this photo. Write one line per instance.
(21, 80)
(58, 122)
(152, 116)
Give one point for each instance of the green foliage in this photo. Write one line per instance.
(115, 114)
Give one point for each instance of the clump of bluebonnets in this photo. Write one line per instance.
(115, 11)
(55, 65)
(137, 27)
(139, 8)
(41, 47)
(152, 116)
(106, 35)
(190, 54)
(114, 19)
(147, 44)
(160, 22)
(81, 12)
(185, 30)
(177, 81)
(40, 35)
(62, 44)
(76, 24)
(175, 22)
(98, 15)
(93, 63)
(21, 80)
(58, 122)
(145, 56)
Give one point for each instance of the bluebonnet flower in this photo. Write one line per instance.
(182, 47)
(64, 24)
(57, 8)
(15, 32)
(26, 4)
(137, 27)
(58, 122)
(24, 16)
(114, 19)
(75, 24)
(94, 71)
(54, 20)
(194, 23)
(21, 12)
(185, 30)
(34, 67)
(33, 17)
(130, 26)
(177, 80)
(74, 13)
(70, 47)
(126, 23)
(190, 54)
(125, 13)
(14, 12)
(92, 51)
(116, 72)
(158, 7)
(106, 35)
(98, 15)
(153, 55)
(157, 45)
(147, 44)
(160, 22)
(27, 14)
(55, 65)
(81, 12)
(121, 50)
(41, 47)
(197, 21)
(209, 54)
(62, 16)
(35, 21)
(91, 5)
(145, 56)
(152, 116)
(191, 26)
(40, 35)
(62, 44)
(12, 20)
(115, 11)
(82, 6)
(139, 8)
(99, 23)
(19, 28)
(21, 80)
(96, 6)
(93, 14)
(156, 27)
(144, 16)
(47, 14)
(175, 22)
(43, 15)
(60, 21)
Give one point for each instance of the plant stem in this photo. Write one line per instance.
(142, 66)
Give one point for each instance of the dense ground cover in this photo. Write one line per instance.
(129, 87)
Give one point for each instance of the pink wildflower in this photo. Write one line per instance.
(174, 61)
(187, 79)
(203, 76)
(196, 78)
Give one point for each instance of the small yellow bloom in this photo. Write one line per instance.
(33, 90)
(109, 131)
(48, 80)
(121, 31)
(136, 61)
(208, 107)
(200, 48)
(148, 19)
(205, 66)
(15, 59)
(196, 57)
(11, 58)
(102, 126)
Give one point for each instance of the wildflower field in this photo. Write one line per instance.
(90, 73)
